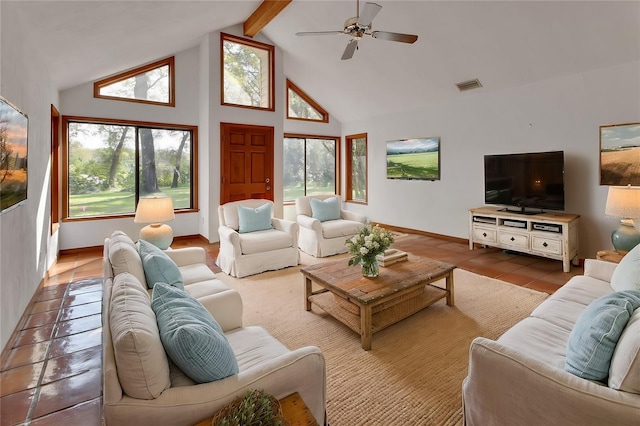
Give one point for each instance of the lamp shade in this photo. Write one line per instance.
(623, 202)
(154, 210)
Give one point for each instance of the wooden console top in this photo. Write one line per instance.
(546, 216)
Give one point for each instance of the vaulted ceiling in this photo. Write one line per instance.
(502, 43)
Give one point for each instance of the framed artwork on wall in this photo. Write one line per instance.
(620, 154)
(414, 159)
(13, 156)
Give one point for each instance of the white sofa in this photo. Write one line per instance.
(173, 398)
(322, 239)
(243, 254)
(520, 378)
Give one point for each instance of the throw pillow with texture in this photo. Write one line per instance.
(596, 333)
(191, 336)
(624, 373)
(626, 276)
(258, 219)
(324, 210)
(143, 367)
(158, 267)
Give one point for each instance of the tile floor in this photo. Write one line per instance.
(51, 374)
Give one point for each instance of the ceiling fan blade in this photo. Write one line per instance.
(350, 50)
(314, 33)
(404, 38)
(369, 11)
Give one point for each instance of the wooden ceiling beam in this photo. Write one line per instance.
(264, 14)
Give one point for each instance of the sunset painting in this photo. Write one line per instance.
(13, 156)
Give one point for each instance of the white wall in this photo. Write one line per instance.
(79, 101)
(25, 245)
(558, 114)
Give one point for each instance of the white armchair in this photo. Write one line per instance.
(247, 253)
(322, 238)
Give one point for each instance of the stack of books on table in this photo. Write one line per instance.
(391, 256)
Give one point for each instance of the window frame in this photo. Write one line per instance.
(64, 184)
(270, 49)
(349, 140)
(337, 140)
(170, 61)
(291, 86)
(55, 169)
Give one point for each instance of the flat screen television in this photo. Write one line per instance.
(533, 180)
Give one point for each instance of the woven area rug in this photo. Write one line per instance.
(414, 371)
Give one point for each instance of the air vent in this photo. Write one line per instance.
(469, 85)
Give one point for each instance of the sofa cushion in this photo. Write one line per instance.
(570, 300)
(323, 210)
(264, 241)
(539, 339)
(624, 373)
(158, 267)
(254, 219)
(195, 273)
(124, 256)
(626, 276)
(143, 369)
(596, 332)
(340, 228)
(191, 336)
(254, 346)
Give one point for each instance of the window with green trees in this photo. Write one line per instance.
(356, 165)
(300, 106)
(110, 164)
(247, 77)
(310, 165)
(152, 83)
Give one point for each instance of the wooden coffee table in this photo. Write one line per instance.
(368, 305)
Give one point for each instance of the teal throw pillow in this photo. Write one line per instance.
(626, 276)
(191, 336)
(158, 267)
(596, 332)
(258, 219)
(323, 210)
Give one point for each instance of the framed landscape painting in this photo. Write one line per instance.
(414, 159)
(13, 156)
(620, 154)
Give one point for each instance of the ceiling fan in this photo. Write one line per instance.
(359, 26)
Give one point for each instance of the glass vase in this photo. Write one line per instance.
(370, 267)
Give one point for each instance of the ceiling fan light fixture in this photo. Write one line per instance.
(360, 26)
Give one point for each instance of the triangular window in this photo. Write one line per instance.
(300, 106)
(151, 84)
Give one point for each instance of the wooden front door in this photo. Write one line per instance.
(246, 154)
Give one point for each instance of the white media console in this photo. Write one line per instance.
(552, 235)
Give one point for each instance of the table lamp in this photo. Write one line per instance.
(154, 210)
(624, 202)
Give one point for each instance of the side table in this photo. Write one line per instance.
(610, 256)
(294, 410)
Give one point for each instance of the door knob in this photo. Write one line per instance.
(268, 188)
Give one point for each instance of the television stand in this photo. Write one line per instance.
(550, 235)
(521, 211)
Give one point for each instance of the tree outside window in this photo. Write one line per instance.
(247, 77)
(111, 164)
(310, 166)
(152, 83)
(356, 168)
